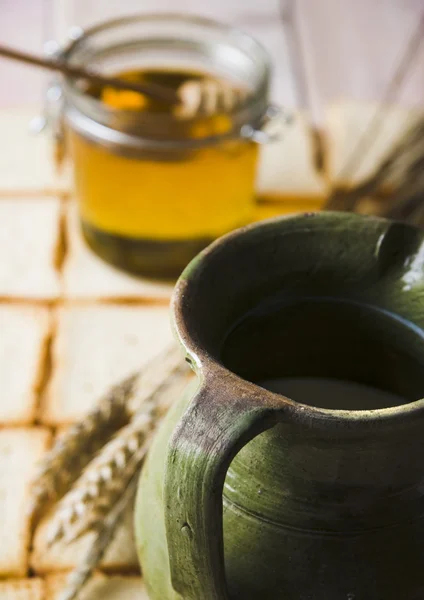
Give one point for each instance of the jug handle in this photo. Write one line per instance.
(221, 419)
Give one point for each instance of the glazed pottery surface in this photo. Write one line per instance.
(248, 494)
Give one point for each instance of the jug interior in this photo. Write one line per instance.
(328, 352)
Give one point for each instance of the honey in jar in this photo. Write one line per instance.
(154, 188)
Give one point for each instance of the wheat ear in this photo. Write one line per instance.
(100, 486)
(82, 574)
(97, 490)
(76, 447)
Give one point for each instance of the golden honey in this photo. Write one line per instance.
(154, 187)
(171, 205)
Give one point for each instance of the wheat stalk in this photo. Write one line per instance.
(95, 553)
(401, 171)
(158, 400)
(339, 200)
(76, 447)
(97, 490)
(154, 378)
(101, 484)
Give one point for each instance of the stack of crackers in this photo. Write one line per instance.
(70, 326)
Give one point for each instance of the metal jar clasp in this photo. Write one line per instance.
(270, 128)
(52, 112)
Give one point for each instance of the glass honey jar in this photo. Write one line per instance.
(153, 188)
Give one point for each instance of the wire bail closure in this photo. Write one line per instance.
(271, 126)
(52, 112)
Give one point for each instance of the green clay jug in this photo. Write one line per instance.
(248, 494)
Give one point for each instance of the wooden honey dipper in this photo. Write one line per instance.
(193, 98)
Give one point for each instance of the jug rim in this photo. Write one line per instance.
(209, 368)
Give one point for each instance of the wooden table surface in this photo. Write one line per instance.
(342, 48)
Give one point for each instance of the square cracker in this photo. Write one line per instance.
(29, 243)
(24, 334)
(120, 557)
(100, 587)
(286, 168)
(22, 589)
(85, 275)
(95, 347)
(20, 451)
(346, 124)
(26, 159)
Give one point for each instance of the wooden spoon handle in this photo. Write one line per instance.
(152, 90)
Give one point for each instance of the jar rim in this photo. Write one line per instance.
(249, 112)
